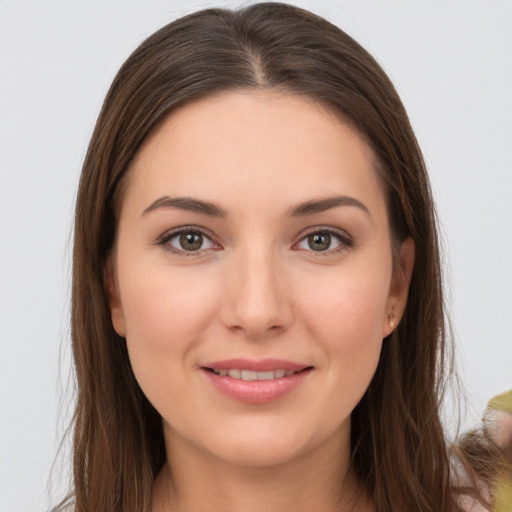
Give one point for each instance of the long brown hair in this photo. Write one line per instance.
(398, 446)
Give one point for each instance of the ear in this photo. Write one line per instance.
(399, 288)
(114, 299)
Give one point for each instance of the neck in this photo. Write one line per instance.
(319, 480)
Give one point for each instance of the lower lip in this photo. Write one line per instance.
(256, 391)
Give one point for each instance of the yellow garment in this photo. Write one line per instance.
(503, 486)
(502, 402)
(503, 495)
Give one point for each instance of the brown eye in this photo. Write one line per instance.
(319, 241)
(328, 241)
(191, 241)
(187, 241)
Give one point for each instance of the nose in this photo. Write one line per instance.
(257, 300)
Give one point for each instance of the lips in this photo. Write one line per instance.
(263, 365)
(255, 382)
(237, 373)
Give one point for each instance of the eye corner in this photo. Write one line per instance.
(197, 246)
(327, 235)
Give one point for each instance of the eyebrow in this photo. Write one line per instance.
(321, 205)
(188, 204)
(212, 210)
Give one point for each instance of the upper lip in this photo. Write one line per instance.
(263, 365)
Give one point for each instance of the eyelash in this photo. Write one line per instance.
(345, 242)
(164, 240)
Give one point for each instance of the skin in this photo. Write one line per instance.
(255, 289)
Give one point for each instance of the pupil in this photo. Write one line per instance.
(191, 241)
(319, 241)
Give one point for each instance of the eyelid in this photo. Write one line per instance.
(343, 237)
(164, 238)
(346, 241)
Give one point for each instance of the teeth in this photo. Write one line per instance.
(249, 375)
(235, 373)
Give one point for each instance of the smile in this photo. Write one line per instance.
(236, 373)
(255, 382)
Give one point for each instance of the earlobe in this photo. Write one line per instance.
(399, 288)
(114, 300)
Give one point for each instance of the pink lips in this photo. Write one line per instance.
(256, 391)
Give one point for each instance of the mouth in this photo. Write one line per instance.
(249, 375)
(256, 382)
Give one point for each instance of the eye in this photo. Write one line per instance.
(186, 241)
(324, 241)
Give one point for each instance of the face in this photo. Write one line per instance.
(252, 276)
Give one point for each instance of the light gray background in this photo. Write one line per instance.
(452, 64)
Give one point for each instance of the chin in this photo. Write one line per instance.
(263, 445)
(258, 452)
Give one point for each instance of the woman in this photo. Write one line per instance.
(257, 312)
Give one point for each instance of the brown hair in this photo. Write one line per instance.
(398, 447)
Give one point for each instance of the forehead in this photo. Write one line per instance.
(254, 143)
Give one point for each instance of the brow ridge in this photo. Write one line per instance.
(321, 205)
(212, 210)
(188, 204)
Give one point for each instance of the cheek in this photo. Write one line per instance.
(166, 315)
(347, 305)
(167, 305)
(344, 313)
